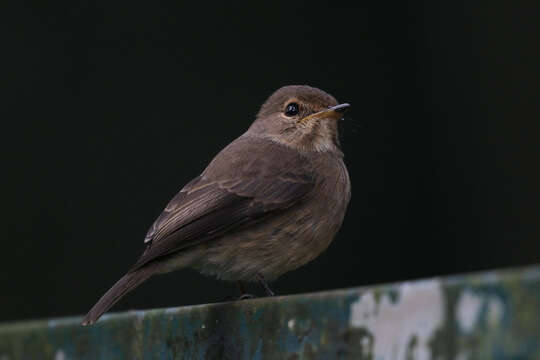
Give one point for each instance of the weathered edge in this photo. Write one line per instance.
(490, 315)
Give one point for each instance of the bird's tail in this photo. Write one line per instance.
(127, 283)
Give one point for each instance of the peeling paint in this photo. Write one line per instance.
(468, 310)
(416, 314)
(290, 324)
(480, 316)
(495, 311)
(471, 306)
(60, 355)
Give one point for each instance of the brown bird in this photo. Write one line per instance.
(269, 202)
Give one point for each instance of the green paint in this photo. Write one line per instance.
(485, 316)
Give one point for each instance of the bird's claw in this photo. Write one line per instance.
(246, 297)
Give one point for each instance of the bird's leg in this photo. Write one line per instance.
(243, 295)
(264, 284)
(240, 286)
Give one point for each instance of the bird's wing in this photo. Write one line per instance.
(249, 179)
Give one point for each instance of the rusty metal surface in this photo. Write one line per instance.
(492, 315)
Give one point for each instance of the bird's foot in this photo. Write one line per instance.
(246, 297)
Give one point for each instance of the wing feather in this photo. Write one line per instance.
(240, 186)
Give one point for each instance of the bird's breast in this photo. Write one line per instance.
(288, 240)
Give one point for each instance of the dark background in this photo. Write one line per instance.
(112, 107)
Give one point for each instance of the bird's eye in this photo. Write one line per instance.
(291, 109)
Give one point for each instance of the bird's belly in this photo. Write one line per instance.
(272, 247)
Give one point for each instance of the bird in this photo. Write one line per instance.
(269, 202)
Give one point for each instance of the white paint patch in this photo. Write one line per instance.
(139, 314)
(290, 324)
(52, 323)
(418, 312)
(468, 310)
(495, 311)
(60, 355)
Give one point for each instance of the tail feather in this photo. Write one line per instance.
(127, 283)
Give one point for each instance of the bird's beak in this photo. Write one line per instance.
(335, 113)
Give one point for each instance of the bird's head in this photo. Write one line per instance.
(301, 116)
